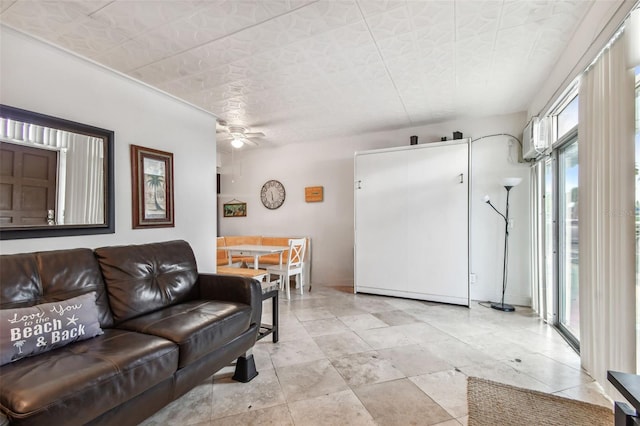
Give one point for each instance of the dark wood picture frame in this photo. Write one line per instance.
(152, 190)
(108, 138)
(234, 209)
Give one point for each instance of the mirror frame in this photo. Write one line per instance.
(108, 227)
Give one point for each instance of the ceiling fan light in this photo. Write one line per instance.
(237, 143)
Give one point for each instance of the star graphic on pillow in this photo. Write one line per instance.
(72, 320)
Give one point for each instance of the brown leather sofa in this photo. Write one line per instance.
(166, 329)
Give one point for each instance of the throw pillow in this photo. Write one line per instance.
(30, 331)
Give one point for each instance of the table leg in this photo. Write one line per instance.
(624, 415)
(274, 319)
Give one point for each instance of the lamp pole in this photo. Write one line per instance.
(508, 184)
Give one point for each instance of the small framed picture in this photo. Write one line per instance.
(234, 209)
(152, 192)
(313, 194)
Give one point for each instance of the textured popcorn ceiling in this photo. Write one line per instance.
(300, 70)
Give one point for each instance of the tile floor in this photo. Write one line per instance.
(346, 359)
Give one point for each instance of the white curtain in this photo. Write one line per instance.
(607, 216)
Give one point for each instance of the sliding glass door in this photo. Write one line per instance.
(568, 225)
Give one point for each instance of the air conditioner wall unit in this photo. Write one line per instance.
(534, 138)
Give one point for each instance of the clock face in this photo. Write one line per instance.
(272, 194)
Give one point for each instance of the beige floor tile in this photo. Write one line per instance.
(313, 314)
(324, 326)
(346, 309)
(366, 368)
(388, 337)
(423, 333)
(409, 405)
(414, 360)
(295, 352)
(336, 409)
(338, 345)
(362, 322)
(231, 397)
(192, 408)
(447, 388)
(274, 416)
(589, 392)
(395, 317)
(499, 371)
(311, 379)
(554, 374)
(452, 422)
(457, 353)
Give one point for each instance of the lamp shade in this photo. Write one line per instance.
(510, 181)
(237, 143)
(486, 198)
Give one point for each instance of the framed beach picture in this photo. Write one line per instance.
(234, 209)
(152, 192)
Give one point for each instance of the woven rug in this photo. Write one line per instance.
(492, 403)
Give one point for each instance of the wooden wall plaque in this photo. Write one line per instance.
(313, 194)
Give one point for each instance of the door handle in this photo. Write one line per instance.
(461, 177)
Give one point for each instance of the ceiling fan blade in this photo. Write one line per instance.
(250, 142)
(254, 135)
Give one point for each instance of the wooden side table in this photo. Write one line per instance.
(270, 291)
(629, 386)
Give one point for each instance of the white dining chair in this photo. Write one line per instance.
(293, 267)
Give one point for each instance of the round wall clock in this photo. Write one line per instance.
(272, 194)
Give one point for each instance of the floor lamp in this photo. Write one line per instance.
(508, 183)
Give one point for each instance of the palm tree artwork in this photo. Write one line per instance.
(154, 193)
(156, 183)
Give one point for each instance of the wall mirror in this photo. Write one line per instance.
(56, 177)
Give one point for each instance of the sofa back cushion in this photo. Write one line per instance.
(145, 278)
(34, 278)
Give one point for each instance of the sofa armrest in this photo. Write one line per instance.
(233, 289)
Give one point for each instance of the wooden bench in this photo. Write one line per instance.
(257, 274)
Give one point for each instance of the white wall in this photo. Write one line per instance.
(330, 223)
(44, 79)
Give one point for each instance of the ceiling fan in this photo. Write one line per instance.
(238, 135)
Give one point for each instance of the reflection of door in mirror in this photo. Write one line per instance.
(27, 185)
(79, 195)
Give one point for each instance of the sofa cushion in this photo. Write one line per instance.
(76, 383)
(145, 278)
(197, 327)
(50, 276)
(30, 331)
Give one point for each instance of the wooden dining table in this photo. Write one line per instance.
(255, 250)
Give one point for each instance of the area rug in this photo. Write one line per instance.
(492, 403)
